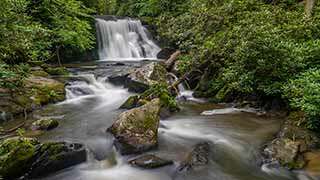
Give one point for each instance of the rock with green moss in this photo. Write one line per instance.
(161, 91)
(142, 78)
(45, 124)
(55, 156)
(136, 130)
(131, 102)
(293, 141)
(16, 156)
(57, 71)
(29, 158)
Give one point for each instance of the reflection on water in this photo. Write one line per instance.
(235, 138)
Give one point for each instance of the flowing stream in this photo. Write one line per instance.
(92, 105)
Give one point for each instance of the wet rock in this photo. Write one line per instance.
(150, 162)
(196, 158)
(118, 79)
(136, 130)
(313, 163)
(292, 142)
(287, 153)
(45, 124)
(165, 53)
(55, 156)
(37, 91)
(29, 158)
(131, 102)
(142, 78)
(16, 156)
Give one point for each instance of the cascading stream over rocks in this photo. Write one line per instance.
(124, 39)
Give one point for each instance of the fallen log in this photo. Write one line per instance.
(172, 60)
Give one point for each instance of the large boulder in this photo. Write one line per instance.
(29, 158)
(140, 79)
(55, 156)
(136, 130)
(16, 156)
(198, 157)
(292, 143)
(150, 162)
(161, 91)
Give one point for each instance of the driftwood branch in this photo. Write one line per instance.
(4, 132)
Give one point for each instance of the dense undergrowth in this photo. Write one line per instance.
(34, 31)
(267, 48)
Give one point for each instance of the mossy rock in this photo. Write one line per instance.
(130, 103)
(161, 91)
(136, 130)
(45, 124)
(40, 73)
(27, 157)
(57, 71)
(16, 156)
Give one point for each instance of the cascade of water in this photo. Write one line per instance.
(124, 39)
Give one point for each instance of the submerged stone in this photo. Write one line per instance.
(136, 130)
(150, 162)
(196, 158)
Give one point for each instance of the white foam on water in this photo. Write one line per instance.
(124, 40)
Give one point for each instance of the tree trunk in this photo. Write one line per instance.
(309, 5)
(171, 61)
(58, 56)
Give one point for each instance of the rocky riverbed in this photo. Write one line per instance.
(173, 139)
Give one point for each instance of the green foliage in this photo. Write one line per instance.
(35, 30)
(304, 94)
(246, 47)
(12, 76)
(161, 91)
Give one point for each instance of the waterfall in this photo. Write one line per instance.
(124, 39)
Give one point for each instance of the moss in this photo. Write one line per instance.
(40, 73)
(45, 124)
(161, 91)
(130, 103)
(159, 73)
(16, 155)
(58, 71)
(53, 150)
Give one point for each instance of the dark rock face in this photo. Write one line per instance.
(150, 162)
(52, 157)
(29, 158)
(118, 79)
(198, 157)
(136, 130)
(165, 53)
